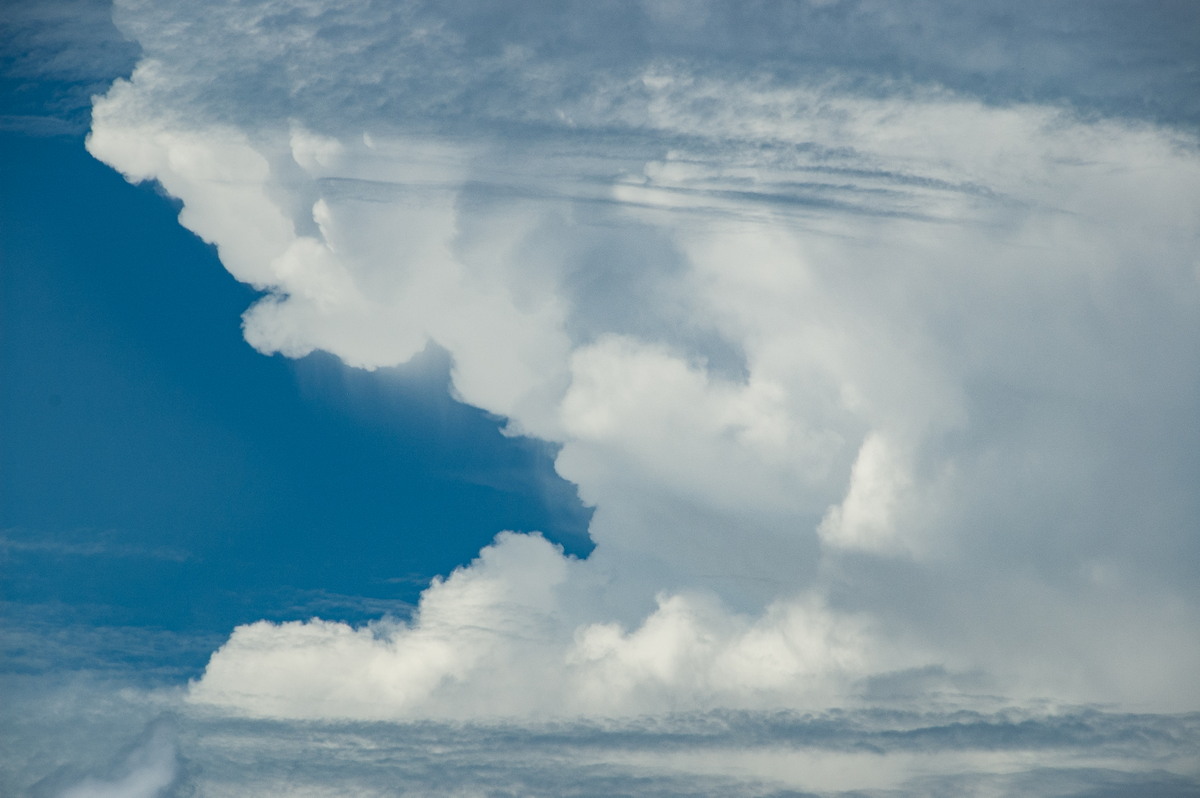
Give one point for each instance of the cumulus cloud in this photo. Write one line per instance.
(510, 634)
(861, 374)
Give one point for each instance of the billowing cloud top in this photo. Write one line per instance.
(873, 335)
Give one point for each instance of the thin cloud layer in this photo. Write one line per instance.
(864, 371)
(147, 771)
(124, 736)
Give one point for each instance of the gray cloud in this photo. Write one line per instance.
(148, 769)
(55, 637)
(53, 58)
(120, 736)
(442, 65)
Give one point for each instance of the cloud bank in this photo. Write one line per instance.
(874, 752)
(868, 370)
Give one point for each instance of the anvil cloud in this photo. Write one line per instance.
(877, 359)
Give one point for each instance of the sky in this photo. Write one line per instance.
(619, 398)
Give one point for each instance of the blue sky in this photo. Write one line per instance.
(154, 463)
(646, 398)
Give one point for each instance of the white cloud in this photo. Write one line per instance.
(866, 518)
(509, 635)
(857, 382)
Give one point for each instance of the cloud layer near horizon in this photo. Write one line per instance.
(185, 750)
(865, 377)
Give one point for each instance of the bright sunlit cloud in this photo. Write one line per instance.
(876, 356)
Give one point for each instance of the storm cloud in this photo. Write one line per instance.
(871, 335)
